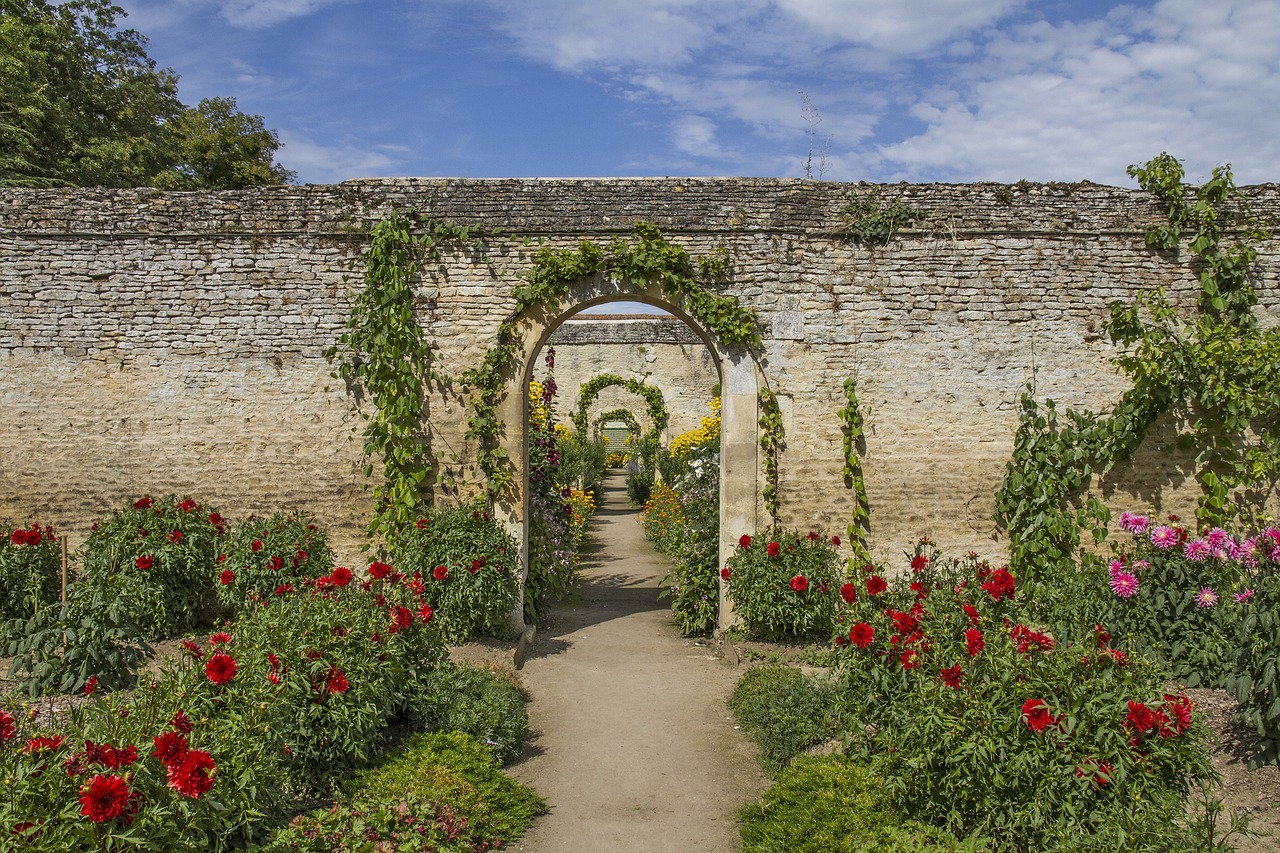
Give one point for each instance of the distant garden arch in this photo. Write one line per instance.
(623, 415)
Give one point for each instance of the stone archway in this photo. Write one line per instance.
(739, 382)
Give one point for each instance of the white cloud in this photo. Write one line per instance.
(897, 27)
(256, 14)
(328, 163)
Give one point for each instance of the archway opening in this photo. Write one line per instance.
(713, 478)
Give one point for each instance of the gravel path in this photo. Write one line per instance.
(633, 746)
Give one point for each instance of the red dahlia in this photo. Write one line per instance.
(862, 635)
(439, 573)
(876, 585)
(144, 562)
(170, 748)
(221, 668)
(799, 583)
(774, 549)
(341, 576)
(849, 593)
(181, 722)
(194, 775)
(744, 541)
(336, 681)
(8, 728)
(105, 798)
(951, 676)
(425, 613)
(226, 577)
(378, 571)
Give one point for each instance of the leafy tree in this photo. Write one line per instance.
(223, 148)
(81, 104)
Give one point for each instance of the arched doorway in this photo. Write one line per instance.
(739, 383)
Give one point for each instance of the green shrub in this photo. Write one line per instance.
(831, 804)
(30, 572)
(441, 792)
(158, 557)
(784, 710)
(1256, 683)
(468, 566)
(983, 724)
(780, 582)
(475, 701)
(639, 487)
(262, 555)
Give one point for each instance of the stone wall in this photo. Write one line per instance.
(173, 342)
(664, 353)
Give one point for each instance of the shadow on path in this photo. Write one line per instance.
(635, 749)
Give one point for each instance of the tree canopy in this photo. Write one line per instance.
(81, 104)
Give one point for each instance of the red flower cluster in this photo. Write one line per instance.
(1171, 719)
(378, 571)
(32, 536)
(774, 549)
(1038, 716)
(8, 727)
(1029, 640)
(106, 798)
(876, 585)
(221, 668)
(951, 676)
(799, 583)
(999, 584)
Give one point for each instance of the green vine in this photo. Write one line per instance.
(624, 415)
(657, 410)
(384, 357)
(772, 441)
(854, 447)
(1215, 372)
(635, 264)
(871, 222)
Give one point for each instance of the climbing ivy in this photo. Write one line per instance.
(772, 441)
(870, 221)
(1215, 372)
(854, 446)
(635, 264)
(383, 356)
(657, 410)
(624, 415)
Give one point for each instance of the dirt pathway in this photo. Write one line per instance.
(633, 747)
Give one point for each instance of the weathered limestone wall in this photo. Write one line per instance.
(664, 353)
(173, 342)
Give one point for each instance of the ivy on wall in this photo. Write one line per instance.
(854, 447)
(624, 415)
(772, 441)
(635, 264)
(1215, 372)
(384, 357)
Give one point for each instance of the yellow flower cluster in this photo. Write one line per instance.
(663, 516)
(616, 459)
(708, 433)
(584, 504)
(539, 415)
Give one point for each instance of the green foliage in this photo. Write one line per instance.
(834, 804)
(81, 104)
(582, 463)
(1216, 373)
(636, 264)
(91, 635)
(624, 415)
(868, 220)
(690, 536)
(384, 354)
(223, 148)
(854, 448)
(280, 704)
(473, 700)
(772, 441)
(658, 413)
(475, 591)
(442, 792)
(156, 561)
(785, 711)
(30, 572)
(983, 724)
(261, 555)
(781, 584)
(1256, 681)
(639, 487)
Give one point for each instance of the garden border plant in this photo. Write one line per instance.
(1215, 372)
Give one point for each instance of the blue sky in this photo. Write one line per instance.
(874, 90)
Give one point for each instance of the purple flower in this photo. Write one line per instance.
(1197, 550)
(1124, 584)
(1164, 537)
(1116, 566)
(1206, 597)
(1135, 524)
(1243, 597)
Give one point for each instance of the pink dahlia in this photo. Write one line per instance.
(1164, 537)
(1124, 584)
